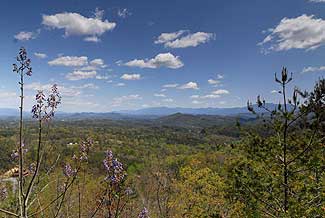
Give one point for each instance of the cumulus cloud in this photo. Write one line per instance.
(97, 62)
(213, 82)
(167, 37)
(94, 65)
(69, 61)
(313, 69)
(189, 85)
(25, 36)
(131, 76)
(40, 55)
(217, 81)
(102, 77)
(174, 40)
(303, 32)
(220, 92)
(79, 75)
(172, 85)
(76, 24)
(161, 60)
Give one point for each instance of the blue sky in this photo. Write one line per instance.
(114, 55)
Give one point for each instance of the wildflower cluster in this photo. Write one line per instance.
(144, 213)
(114, 169)
(84, 149)
(25, 67)
(68, 171)
(44, 108)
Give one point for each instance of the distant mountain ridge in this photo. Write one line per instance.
(165, 111)
(146, 113)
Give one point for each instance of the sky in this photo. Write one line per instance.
(125, 54)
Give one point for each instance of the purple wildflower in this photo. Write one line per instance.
(114, 169)
(84, 149)
(144, 213)
(45, 107)
(68, 171)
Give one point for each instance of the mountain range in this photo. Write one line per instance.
(146, 113)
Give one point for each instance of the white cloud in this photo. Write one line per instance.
(209, 96)
(160, 95)
(131, 76)
(92, 39)
(76, 24)
(40, 55)
(88, 68)
(274, 91)
(191, 40)
(94, 65)
(168, 100)
(123, 13)
(217, 81)
(86, 86)
(79, 75)
(69, 61)
(25, 36)
(194, 96)
(313, 69)
(97, 62)
(167, 37)
(189, 85)
(213, 82)
(173, 40)
(120, 84)
(220, 92)
(196, 102)
(172, 85)
(303, 32)
(317, 1)
(161, 60)
(101, 77)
